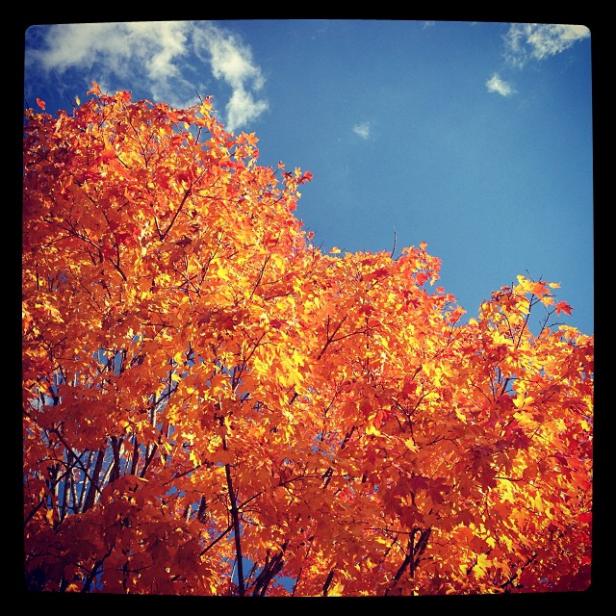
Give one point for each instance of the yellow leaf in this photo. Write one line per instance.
(221, 272)
(499, 339)
(411, 445)
(480, 568)
(524, 284)
(506, 490)
(205, 107)
(460, 416)
(194, 458)
(520, 401)
(372, 429)
(504, 539)
(214, 443)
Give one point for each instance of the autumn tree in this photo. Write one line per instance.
(211, 403)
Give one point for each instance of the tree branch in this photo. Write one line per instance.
(328, 581)
(176, 214)
(213, 543)
(237, 530)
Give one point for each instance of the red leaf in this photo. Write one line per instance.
(421, 278)
(563, 307)
(409, 388)
(585, 517)
(419, 483)
(41, 103)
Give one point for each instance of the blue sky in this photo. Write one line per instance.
(473, 137)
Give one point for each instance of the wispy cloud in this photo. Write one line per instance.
(428, 24)
(362, 130)
(231, 60)
(499, 86)
(154, 56)
(540, 41)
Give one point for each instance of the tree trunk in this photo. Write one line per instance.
(98, 464)
(235, 516)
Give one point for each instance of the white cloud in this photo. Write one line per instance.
(428, 24)
(144, 50)
(232, 62)
(539, 41)
(243, 108)
(151, 55)
(499, 86)
(362, 130)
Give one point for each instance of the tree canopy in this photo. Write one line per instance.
(213, 406)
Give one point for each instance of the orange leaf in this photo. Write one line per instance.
(563, 307)
(94, 89)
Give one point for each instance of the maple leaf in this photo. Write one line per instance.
(409, 388)
(372, 430)
(561, 307)
(539, 288)
(410, 444)
(422, 278)
(94, 89)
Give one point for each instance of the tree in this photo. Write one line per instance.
(211, 402)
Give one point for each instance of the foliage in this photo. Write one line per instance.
(211, 402)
